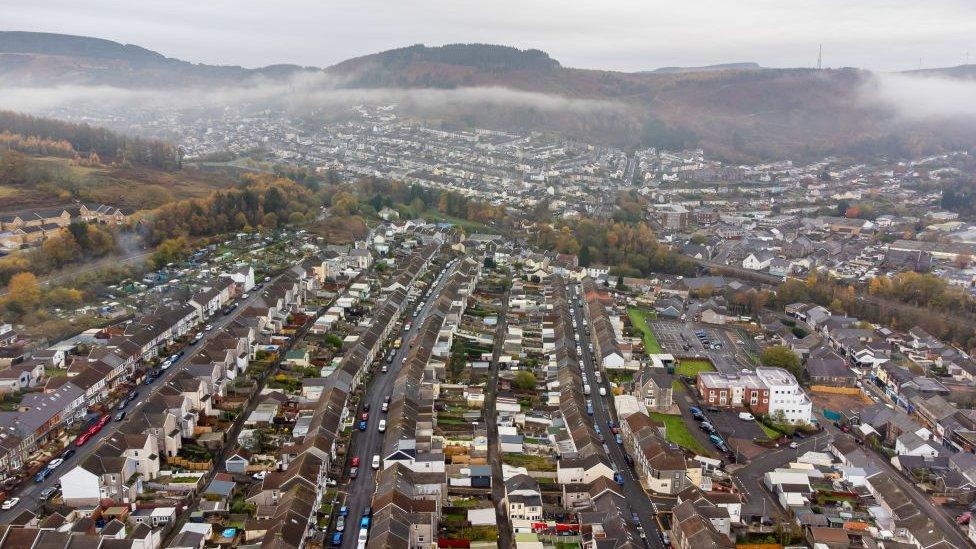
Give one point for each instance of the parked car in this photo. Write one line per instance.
(260, 475)
(82, 439)
(120, 416)
(355, 461)
(340, 524)
(42, 475)
(55, 463)
(337, 539)
(362, 425)
(48, 493)
(353, 472)
(794, 445)
(376, 461)
(9, 504)
(619, 478)
(68, 453)
(746, 416)
(364, 522)
(382, 426)
(343, 511)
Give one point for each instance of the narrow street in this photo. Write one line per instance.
(603, 412)
(366, 444)
(491, 390)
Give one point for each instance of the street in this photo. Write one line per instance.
(639, 500)
(365, 444)
(29, 492)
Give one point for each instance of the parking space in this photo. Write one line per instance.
(737, 432)
(674, 338)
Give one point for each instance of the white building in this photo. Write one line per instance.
(785, 395)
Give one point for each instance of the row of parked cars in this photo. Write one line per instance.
(364, 524)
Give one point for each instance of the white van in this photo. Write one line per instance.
(746, 416)
(586, 389)
(382, 426)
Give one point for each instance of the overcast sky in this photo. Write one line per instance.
(606, 34)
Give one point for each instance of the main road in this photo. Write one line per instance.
(366, 444)
(29, 491)
(603, 412)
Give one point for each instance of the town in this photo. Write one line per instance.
(422, 386)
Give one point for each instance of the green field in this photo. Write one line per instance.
(691, 367)
(638, 317)
(678, 433)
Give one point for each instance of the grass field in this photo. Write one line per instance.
(691, 367)
(678, 433)
(638, 317)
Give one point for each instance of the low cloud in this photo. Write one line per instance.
(920, 98)
(303, 92)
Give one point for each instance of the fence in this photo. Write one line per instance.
(191, 465)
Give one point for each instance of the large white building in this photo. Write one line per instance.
(785, 395)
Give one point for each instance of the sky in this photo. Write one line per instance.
(631, 35)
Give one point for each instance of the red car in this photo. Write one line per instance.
(82, 439)
(355, 461)
(365, 416)
(615, 430)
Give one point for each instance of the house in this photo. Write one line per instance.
(115, 470)
(691, 530)
(757, 261)
(653, 387)
(828, 368)
(523, 499)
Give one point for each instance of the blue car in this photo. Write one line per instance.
(343, 511)
(362, 425)
(337, 539)
(364, 522)
(42, 474)
(619, 478)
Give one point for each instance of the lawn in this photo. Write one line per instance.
(530, 462)
(638, 317)
(678, 433)
(692, 367)
(773, 434)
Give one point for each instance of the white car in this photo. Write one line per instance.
(794, 445)
(376, 461)
(382, 426)
(166, 364)
(245, 296)
(208, 327)
(10, 504)
(55, 463)
(259, 475)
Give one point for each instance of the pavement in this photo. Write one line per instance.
(368, 443)
(29, 491)
(603, 412)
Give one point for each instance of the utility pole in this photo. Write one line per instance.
(820, 58)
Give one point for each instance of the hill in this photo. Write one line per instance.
(47, 59)
(738, 111)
